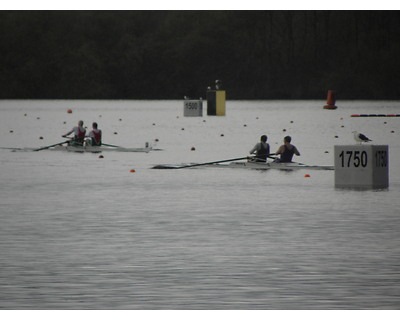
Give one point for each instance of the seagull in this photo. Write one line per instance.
(359, 137)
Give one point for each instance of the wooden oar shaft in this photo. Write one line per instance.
(111, 145)
(53, 145)
(207, 163)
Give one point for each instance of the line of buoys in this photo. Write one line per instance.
(374, 115)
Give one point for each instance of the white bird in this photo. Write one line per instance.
(359, 137)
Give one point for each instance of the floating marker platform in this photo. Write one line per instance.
(362, 166)
(374, 115)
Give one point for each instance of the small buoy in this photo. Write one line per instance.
(341, 118)
(307, 176)
(326, 151)
(392, 131)
(385, 122)
(336, 137)
(257, 118)
(11, 131)
(101, 156)
(284, 130)
(154, 124)
(177, 117)
(25, 114)
(115, 132)
(41, 138)
(183, 129)
(132, 170)
(156, 140)
(342, 126)
(204, 120)
(193, 149)
(38, 118)
(291, 121)
(99, 115)
(245, 125)
(69, 111)
(120, 119)
(65, 122)
(222, 135)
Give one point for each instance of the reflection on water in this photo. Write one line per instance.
(79, 232)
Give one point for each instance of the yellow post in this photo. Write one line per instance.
(220, 103)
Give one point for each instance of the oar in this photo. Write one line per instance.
(111, 145)
(197, 164)
(53, 145)
(268, 156)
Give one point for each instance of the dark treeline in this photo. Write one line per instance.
(169, 54)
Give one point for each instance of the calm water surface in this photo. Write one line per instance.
(82, 232)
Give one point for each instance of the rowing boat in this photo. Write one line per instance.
(98, 149)
(276, 165)
(247, 165)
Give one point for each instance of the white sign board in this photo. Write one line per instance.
(193, 108)
(362, 166)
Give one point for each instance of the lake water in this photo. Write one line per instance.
(82, 232)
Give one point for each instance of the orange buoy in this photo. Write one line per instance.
(132, 170)
(307, 176)
(69, 111)
(331, 100)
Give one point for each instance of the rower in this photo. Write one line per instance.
(95, 135)
(286, 150)
(79, 134)
(261, 150)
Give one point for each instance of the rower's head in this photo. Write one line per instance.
(80, 123)
(287, 139)
(94, 125)
(264, 138)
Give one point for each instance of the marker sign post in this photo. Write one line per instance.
(362, 166)
(193, 108)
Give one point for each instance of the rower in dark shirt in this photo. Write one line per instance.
(261, 150)
(287, 150)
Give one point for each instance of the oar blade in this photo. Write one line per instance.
(164, 166)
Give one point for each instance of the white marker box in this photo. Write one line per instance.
(362, 166)
(193, 108)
